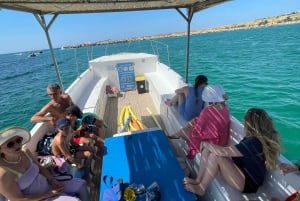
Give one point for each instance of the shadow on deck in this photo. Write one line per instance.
(139, 104)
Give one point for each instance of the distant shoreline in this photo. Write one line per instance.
(291, 18)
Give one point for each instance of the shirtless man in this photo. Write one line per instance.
(56, 106)
(64, 146)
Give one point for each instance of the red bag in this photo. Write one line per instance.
(294, 197)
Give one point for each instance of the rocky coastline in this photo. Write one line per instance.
(284, 19)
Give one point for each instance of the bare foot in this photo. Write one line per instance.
(196, 189)
(187, 180)
(169, 102)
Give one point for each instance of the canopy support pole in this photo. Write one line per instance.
(42, 22)
(188, 18)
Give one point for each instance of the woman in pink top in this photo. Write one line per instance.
(212, 125)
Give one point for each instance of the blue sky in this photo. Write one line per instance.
(21, 32)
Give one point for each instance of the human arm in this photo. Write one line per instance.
(56, 185)
(68, 98)
(40, 116)
(59, 147)
(10, 189)
(230, 151)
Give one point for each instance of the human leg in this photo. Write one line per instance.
(194, 143)
(203, 167)
(231, 173)
(183, 132)
(215, 164)
(83, 194)
(211, 171)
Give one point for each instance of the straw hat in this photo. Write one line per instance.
(13, 131)
(213, 94)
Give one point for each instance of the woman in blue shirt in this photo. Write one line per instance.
(189, 99)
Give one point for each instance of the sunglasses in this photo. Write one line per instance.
(11, 144)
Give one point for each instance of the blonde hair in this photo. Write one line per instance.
(258, 123)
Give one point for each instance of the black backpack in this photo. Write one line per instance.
(44, 146)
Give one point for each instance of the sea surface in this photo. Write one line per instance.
(257, 68)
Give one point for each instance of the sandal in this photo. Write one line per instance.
(173, 137)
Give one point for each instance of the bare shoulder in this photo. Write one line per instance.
(67, 98)
(57, 139)
(49, 106)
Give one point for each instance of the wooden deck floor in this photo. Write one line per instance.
(139, 104)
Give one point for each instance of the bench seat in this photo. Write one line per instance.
(219, 188)
(96, 98)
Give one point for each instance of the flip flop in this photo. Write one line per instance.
(172, 137)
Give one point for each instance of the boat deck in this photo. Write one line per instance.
(139, 104)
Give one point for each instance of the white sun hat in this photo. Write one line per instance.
(213, 94)
(11, 132)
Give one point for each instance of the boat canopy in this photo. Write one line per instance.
(41, 8)
(45, 7)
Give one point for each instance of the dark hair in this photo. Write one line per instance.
(74, 110)
(199, 80)
(53, 86)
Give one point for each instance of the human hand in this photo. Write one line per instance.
(287, 168)
(83, 126)
(57, 187)
(78, 163)
(53, 121)
(80, 128)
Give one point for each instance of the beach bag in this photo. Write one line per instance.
(44, 146)
(59, 165)
(114, 189)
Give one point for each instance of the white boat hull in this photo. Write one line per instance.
(88, 92)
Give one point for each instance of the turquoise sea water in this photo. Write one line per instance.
(257, 67)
